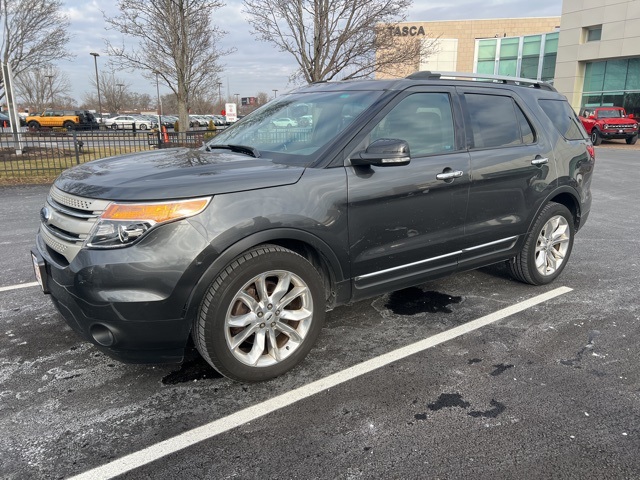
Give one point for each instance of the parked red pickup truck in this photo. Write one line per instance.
(609, 123)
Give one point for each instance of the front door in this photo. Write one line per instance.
(406, 222)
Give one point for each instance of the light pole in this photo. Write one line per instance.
(275, 93)
(159, 110)
(95, 61)
(237, 105)
(220, 94)
(50, 77)
(119, 85)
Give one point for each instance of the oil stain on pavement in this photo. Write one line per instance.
(412, 301)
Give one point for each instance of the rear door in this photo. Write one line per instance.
(405, 223)
(512, 172)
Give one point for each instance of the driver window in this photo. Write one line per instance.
(423, 120)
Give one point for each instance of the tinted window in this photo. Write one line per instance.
(526, 131)
(563, 118)
(423, 120)
(496, 121)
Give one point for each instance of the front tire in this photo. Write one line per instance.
(632, 140)
(143, 126)
(547, 247)
(596, 138)
(261, 316)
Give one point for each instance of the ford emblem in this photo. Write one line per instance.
(45, 215)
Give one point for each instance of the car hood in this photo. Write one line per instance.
(174, 173)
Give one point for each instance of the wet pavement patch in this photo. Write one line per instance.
(447, 400)
(190, 370)
(497, 409)
(412, 301)
(471, 361)
(500, 369)
(575, 362)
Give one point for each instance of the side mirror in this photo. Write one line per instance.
(631, 115)
(592, 117)
(384, 152)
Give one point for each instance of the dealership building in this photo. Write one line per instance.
(591, 53)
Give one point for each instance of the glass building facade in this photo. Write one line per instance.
(613, 83)
(529, 56)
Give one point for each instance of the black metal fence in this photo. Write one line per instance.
(45, 154)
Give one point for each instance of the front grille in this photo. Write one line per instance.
(619, 126)
(70, 221)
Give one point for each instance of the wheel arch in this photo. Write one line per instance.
(565, 196)
(315, 250)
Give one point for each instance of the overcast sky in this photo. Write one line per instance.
(255, 66)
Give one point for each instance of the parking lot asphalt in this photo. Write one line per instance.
(552, 391)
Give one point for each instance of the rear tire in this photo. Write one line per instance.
(261, 316)
(632, 140)
(547, 247)
(143, 126)
(34, 125)
(596, 138)
(69, 125)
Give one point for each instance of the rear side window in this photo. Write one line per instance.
(563, 118)
(497, 121)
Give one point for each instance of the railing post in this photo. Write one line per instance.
(76, 146)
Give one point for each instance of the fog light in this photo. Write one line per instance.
(102, 335)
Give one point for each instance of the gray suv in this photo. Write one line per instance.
(244, 244)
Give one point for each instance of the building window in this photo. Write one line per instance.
(613, 83)
(549, 59)
(487, 56)
(593, 33)
(508, 64)
(530, 56)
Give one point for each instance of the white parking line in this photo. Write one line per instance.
(210, 430)
(16, 287)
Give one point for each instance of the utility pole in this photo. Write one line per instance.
(95, 61)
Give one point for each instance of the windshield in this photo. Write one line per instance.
(613, 113)
(295, 128)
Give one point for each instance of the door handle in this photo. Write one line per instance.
(450, 175)
(539, 161)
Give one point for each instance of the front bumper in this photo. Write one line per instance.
(618, 134)
(131, 302)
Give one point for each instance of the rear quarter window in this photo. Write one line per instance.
(497, 121)
(563, 118)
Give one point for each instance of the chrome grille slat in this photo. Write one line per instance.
(73, 213)
(71, 220)
(61, 235)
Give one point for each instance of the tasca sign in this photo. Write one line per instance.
(407, 31)
(232, 113)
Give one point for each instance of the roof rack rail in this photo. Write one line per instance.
(428, 75)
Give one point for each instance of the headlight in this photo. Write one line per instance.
(121, 224)
(605, 126)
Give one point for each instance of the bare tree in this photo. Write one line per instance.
(202, 104)
(114, 92)
(333, 39)
(176, 39)
(34, 33)
(42, 88)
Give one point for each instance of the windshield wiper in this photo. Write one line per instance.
(236, 148)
